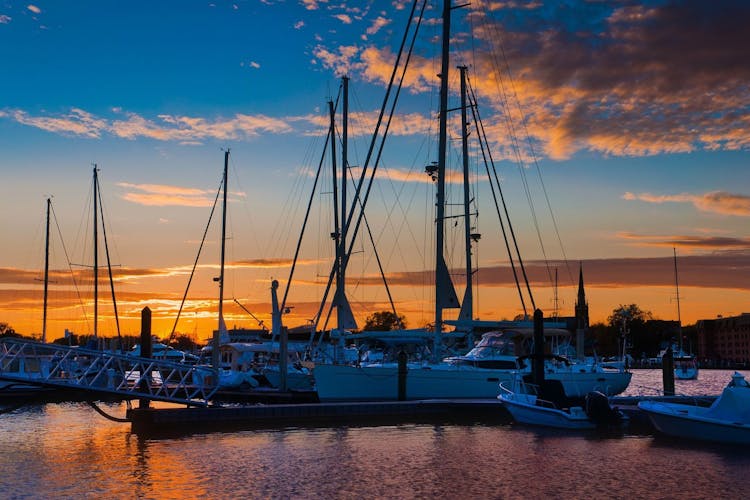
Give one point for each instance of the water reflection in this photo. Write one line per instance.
(68, 451)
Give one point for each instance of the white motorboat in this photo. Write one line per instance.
(252, 364)
(24, 367)
(727, 420)
(548, 406)
(685, 366)
(165, 352)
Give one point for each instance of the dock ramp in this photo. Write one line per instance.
(105, 372)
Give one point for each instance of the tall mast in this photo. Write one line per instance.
(336, 223)
(96, 253)
(440, 201)
(467, 306)
(344, 173)
(46, 274)
(222, 325)
(344, 316)
(677, 289)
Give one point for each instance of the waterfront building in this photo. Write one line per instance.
(724, 341)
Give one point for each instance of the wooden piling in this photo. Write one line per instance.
(402, 371)
(146, 351)
(537, 360)
(667, 369)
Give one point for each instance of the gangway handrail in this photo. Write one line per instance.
(106, 372)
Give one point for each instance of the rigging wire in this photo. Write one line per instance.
(195, 263)
(516, 146)
(374, 140)
(109, 264)
(481, 132)
(70, 266)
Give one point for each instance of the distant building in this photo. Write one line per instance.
(724, 341)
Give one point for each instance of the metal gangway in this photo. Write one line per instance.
(105, 372)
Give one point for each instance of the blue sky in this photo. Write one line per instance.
(639, 113)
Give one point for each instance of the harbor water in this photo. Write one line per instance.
(67, 450)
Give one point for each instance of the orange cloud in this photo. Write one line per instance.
(719, 202)
(271, 263)
(377, 25)
(161, 195)
(312, 4)
(637, 81)
(344, 18)
(688, 242)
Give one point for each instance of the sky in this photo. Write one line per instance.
(619, 132)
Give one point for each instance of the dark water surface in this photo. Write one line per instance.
(68, 451)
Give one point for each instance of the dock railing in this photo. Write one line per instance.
(105, 372)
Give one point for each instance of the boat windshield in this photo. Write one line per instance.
(493, 345)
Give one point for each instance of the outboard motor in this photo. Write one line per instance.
(599, 410)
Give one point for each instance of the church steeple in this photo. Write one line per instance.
(582, 307)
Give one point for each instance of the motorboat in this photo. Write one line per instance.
(727, 420)
(547, 405)
(685, 366)
(165, 352)
(248, 365)
(23, 367)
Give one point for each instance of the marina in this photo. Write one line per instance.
(280, 285)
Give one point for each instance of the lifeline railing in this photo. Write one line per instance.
(35, 363)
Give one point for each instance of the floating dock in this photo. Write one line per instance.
(181, 420)
(159, 420)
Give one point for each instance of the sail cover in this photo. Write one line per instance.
(448, 297)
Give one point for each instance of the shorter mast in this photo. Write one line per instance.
(220, 279)
(96, 253)
(677, 289)
(46, 274)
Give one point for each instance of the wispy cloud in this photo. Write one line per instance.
(344, 18)
(76, 122)
(184, 129)
(689, 242)
(5, 19)
(719, 202)
(377, 25)
(160, 195)
(340, 59)
(299, 25)
(272, 263)
(312, 4)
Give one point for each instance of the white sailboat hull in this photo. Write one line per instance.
(444, 381)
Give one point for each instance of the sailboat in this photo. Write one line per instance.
(475, 375)
(26, 366)
(685, 364)
(244, 365)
